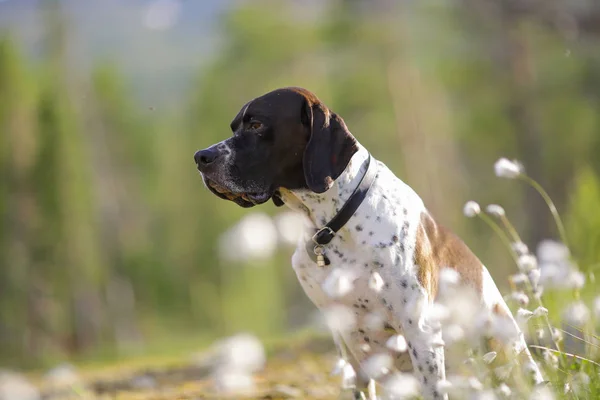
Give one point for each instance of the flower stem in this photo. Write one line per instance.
(500, 233)
(551, 206)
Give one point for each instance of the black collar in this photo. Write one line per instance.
(326, 234)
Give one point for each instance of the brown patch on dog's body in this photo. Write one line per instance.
(436, 247)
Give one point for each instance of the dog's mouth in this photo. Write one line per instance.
(246, 200)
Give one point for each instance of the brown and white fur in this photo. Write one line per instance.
(392, 234)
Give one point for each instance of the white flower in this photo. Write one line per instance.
(397, 343)
(551, 359)
(527, 262)
(488, 358)
(444, 386)
(504, 390)
(576, 314)
(471, 209)
(338, 283)
(234, 382)
(377, 365)
(495, 210)
(401, 386)
(524, 314)
(541, 393)
(552, 251)
(448, 277)
(503, 372)
(540, 311)
(520, 248)
(374, 321)
(518, 279)
(339, 318)
(534, 277)
(242, 352)
(338, 367)
(520, 298)
(376, 282)
(348, 376)
(290, 226)
(253, 238)
(575, 280)
(505, 168)
(17, 386)
(557, 335)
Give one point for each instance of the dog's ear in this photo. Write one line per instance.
(330, 147)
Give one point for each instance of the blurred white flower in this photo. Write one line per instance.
(377, 365)
(551, 359)
(162, 14)
(576, 314)
(338, 367)
(453, 333)
(397, 343)
(520, 248)
(542, 393)
(495, 210)
(523, 315)
(401, 386)
(505, 168)
(520, 297)
(519, 279)
(444, 386)
(540, 311)
(348, 376)
(437, 313)
(339, 318)
(534, 277)
(552, 251)
(234, 382)
(488, 358)
(580, 381)
(575, 280)
(449, 276)
(527, 262)
(471, 209)
(338, 283)
(376, 281)
(504, 390)
(290, 226)
(252, 238)
(63, 375)
(557, 335)
(503, 372)
(242, 353)
(15, 386)
(374, 320)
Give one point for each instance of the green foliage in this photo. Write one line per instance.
(583, 222)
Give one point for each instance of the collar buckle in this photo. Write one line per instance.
(323, 236)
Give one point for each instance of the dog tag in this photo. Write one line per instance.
(320, 258)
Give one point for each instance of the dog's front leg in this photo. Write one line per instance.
(424, 340)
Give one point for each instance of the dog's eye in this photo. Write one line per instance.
(255, 125)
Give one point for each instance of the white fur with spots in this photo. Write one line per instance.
(380, 237)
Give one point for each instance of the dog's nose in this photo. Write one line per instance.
(206, 157)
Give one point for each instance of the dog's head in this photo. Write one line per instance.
(286, 138)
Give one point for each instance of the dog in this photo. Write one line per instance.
(289, 147)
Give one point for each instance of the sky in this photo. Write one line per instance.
(159, 45)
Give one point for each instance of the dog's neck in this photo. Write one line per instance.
(320, 208)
